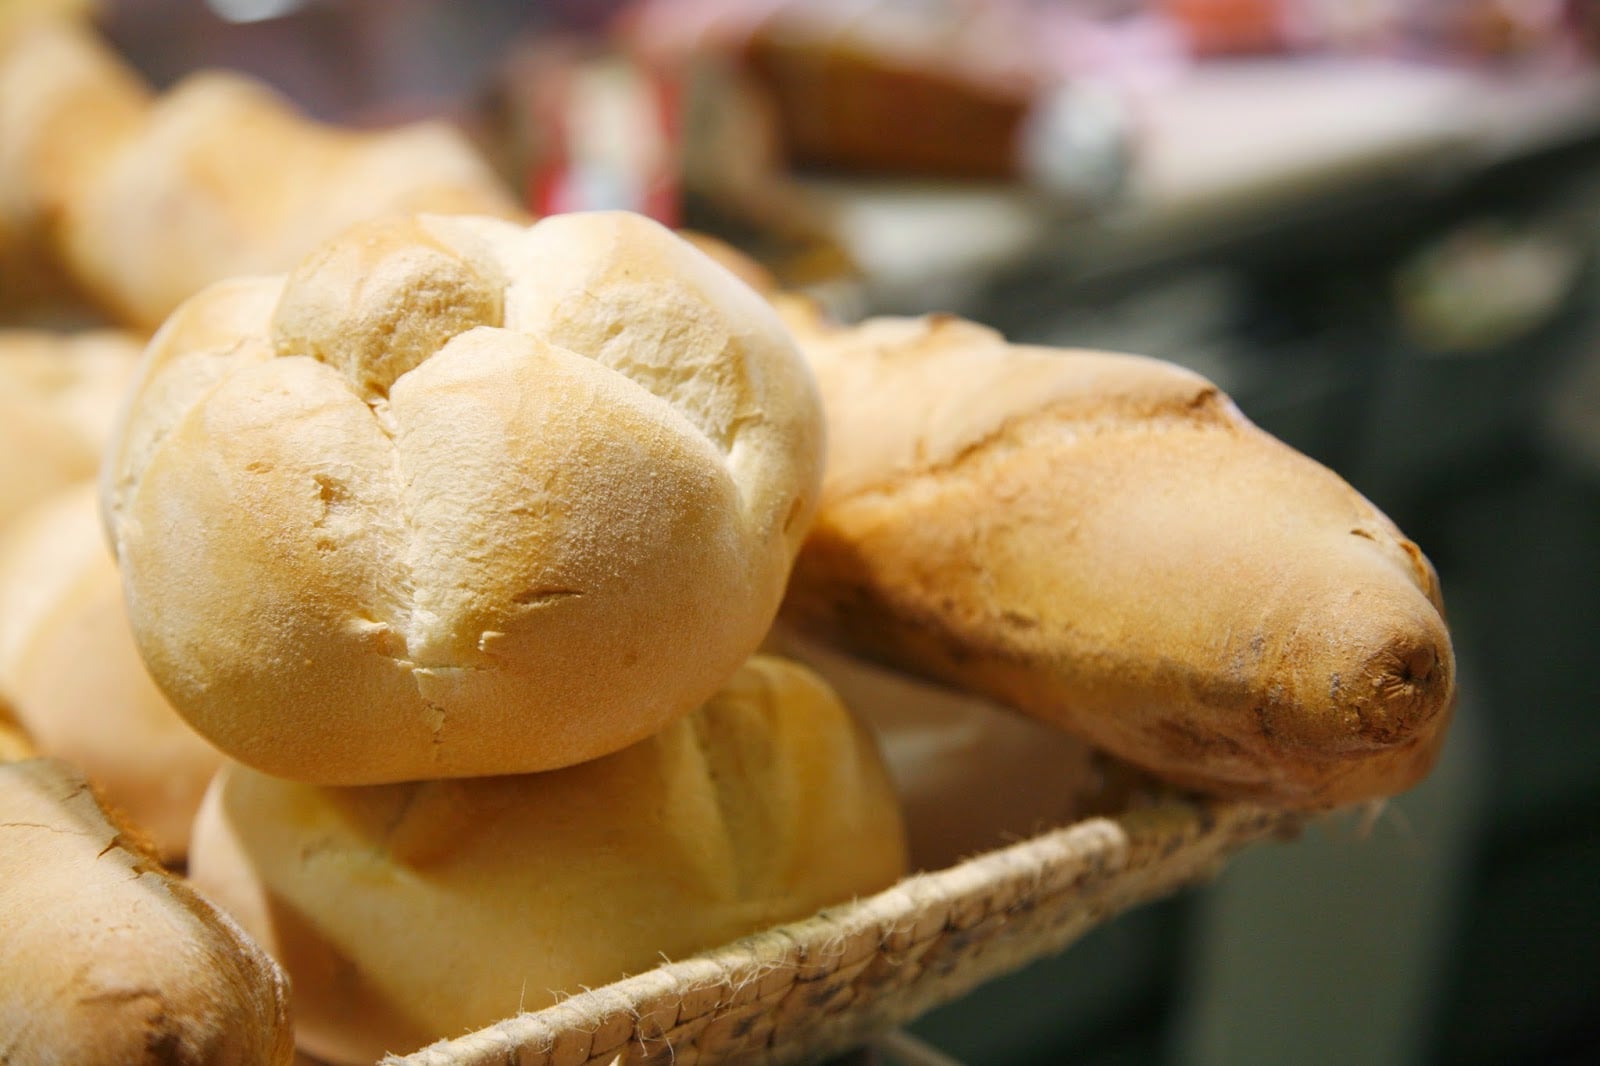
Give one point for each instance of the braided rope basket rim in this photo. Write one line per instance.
(806, 990)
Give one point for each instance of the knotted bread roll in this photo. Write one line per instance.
(458, 497)
(408, 913)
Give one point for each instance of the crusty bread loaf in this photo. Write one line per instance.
(70, 669)
(459, 497)
(105, 958)
(407, 913)
(1104, 541)
(146, 199)
(59, 395)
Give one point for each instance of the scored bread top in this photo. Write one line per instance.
(460, 497)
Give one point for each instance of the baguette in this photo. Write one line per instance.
(1105, 542)
(105, 958)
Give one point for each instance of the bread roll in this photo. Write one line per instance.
(107, 958)
(1105, 542)
(459, 497)
(146, 199)
(407, 913)
(69, 666)
(59, 395)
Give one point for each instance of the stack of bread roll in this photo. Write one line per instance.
(456, 543)
(460, 538)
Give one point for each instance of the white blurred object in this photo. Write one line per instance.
(253, 10)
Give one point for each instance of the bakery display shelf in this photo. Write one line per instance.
(807, 990)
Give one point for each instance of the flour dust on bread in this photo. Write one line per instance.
(412, 912)
(1105, 542)
(461, 497)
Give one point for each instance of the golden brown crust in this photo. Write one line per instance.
(459, 497)
(405, 913)
(105, 957)
(69, 665)
(1104, 541)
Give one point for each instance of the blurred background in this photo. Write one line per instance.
(1373, 222)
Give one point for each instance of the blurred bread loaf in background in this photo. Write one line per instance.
(59, 395)
(141, 199)
(71, 671)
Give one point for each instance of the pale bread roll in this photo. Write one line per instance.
(1105, 542)
(105, 958)
(408, 913)
(459, 497)
(69, 667)
(59, 395)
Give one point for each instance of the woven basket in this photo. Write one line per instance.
(802, 992)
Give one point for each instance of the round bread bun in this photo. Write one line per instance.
(407, 913)
(459, 497)
(59, 395)
(69, 667)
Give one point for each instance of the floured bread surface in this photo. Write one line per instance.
(224, 178)
(460, 497)
(407, 913)
(1106, 542)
